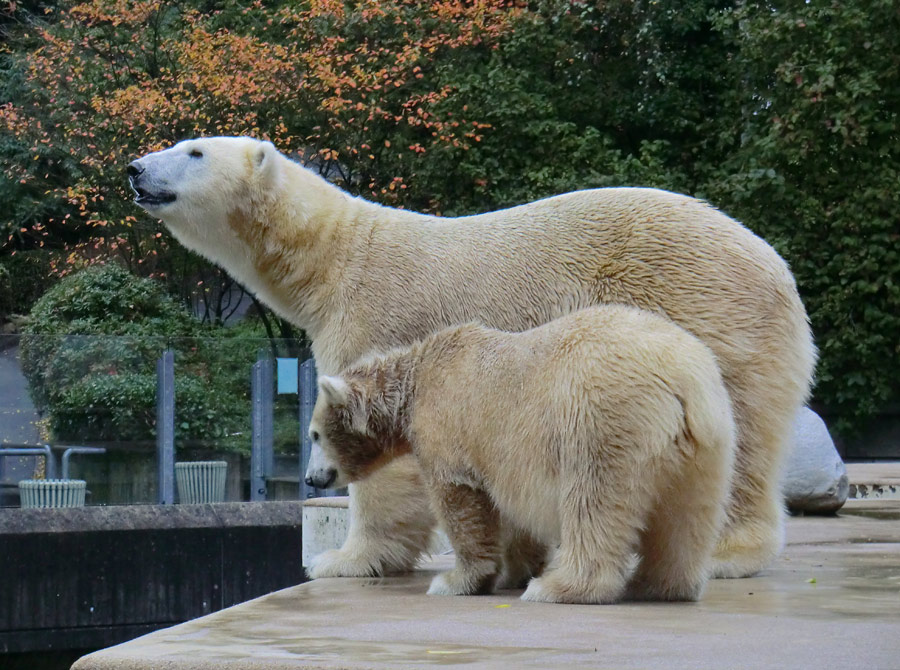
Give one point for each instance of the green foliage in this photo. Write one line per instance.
(6, 294)
(89, 353)
(816, 174)
(783, 114)
(27, 276)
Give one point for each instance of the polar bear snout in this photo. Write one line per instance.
(321, 478)
(322, 471)
(134, 169)
(147, 194)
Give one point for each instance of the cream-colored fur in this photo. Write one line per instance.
(361, 278)
(607, 432)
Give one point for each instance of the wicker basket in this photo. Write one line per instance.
(201, 481)
(52, 492)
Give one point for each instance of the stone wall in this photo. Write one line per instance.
(95, 576)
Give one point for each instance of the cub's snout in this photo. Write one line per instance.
(321, 478)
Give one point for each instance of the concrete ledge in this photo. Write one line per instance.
(149, 517)
(325, 525)
(89, 577)
(874, 480)
(831, 600)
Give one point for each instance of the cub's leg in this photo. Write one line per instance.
(681, 532)
(524, 557)
(390, 525)
(602, 508)
(473, 526)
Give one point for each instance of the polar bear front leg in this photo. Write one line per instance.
(390, 525)
(472, 524)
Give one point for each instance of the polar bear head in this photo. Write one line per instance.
(200, 188)
(349, 439)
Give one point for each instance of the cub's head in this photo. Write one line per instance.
(348, 440)
(197, 185)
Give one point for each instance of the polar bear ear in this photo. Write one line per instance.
(334, 390)
(265, 160)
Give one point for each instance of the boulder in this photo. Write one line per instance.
(815, 479)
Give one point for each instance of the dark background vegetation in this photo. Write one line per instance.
(784, 114)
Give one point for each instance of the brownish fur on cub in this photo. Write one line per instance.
(606, 432)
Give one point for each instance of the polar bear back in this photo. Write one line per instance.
(521, 267)
(523, 412)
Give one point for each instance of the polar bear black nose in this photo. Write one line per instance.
(322, 479)
(134, 169)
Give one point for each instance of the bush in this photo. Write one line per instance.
(89, 353)
(816, 174)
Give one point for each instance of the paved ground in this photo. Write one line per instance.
(17, 417)
(832, 600)
(17, 413)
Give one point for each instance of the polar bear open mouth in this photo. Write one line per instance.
(146, 199)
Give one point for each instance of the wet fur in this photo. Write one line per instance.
(361, 278)
(606, 432)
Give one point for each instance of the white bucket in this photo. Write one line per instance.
(201, 481)
(52, 492)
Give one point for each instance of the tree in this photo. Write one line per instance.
(816, 174)
(780, 113)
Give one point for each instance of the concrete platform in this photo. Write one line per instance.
(832, 600)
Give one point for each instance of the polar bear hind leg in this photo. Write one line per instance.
(765, 405)
(680, 535)
(603, 507)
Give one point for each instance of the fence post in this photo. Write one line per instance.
(165, 427)
(307, 402)
(261, 451)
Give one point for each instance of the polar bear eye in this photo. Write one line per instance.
(314, 435)
(196, 153)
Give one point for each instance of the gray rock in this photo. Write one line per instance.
(815, 479)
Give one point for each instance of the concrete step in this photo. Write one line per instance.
(325, 525)
(829, 601)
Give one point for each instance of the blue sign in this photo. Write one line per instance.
(287, 375)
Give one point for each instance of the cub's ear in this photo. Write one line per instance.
(265, 161)
(334, 390)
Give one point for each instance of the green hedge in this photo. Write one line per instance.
(89, 352)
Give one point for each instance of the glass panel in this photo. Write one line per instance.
(101, 392)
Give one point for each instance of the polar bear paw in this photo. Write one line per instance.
(337, 563)
(458, 583)
(549, 589)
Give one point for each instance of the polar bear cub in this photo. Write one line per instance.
(605, 432)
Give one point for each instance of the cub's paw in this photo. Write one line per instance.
(539, 591)
(458, 583)
(547, 589)
(337, 563)
(685, 592)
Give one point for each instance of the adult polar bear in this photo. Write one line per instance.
(361, 278)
